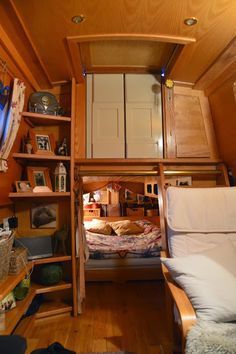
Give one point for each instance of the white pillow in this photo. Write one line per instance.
(209, 280)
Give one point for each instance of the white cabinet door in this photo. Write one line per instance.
(143, 117)
(107, 116)
(108, 130)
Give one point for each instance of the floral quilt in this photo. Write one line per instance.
(146, 244)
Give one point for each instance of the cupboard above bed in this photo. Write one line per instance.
(124, 116)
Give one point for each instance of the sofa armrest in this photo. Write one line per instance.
(183, 305)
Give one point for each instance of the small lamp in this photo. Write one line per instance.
(60, 178)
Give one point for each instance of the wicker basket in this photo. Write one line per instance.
(6, 243)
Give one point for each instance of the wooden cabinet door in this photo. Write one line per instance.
(189, 128)
(191, 140)
(143, 117)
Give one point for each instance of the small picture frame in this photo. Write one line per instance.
(184, 181)
(44, 216)
(130, 196)
(39, 177)
(23, 186)
(7, 303)
(43, 143)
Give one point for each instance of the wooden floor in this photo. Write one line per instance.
(127, 316)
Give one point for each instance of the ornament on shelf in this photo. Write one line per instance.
(60, 178)
(62, 148)
(27, 144)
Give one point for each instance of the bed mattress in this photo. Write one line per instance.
(145, 245)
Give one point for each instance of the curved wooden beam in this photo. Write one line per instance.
(186, 311)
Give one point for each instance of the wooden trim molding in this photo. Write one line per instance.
(223, 68)
(43, 68)
(10, 48)
(132, 36)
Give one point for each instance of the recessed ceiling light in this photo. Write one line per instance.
(78, 19)
(191, 21)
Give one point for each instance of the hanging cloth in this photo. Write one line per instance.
(12, 122)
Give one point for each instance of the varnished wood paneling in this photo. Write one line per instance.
(80, 121)
(48, 30)
(223, 108)
(220, 71)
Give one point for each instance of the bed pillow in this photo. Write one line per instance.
(125, 227)
(209, 280)
(99, 227)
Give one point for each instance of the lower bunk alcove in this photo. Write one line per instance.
(121, 224)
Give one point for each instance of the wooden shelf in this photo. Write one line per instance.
(19, 155)
(142, 161)
(50, 308)
(42, 289)
(35, 119)
(12, 280)
(39, 195)
(13, 316)
(52, 259)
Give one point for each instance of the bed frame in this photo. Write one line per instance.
(121, 270)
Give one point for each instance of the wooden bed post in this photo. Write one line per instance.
(81, 258)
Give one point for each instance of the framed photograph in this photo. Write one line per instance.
(39, 177)
(44, 216)
(184, 181)
(7, 303)
(130, 196)
(43, 143)
(23, 186)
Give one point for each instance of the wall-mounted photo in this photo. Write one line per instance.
(39, 177)
(184, 181)
(23, 186)
(43, 143)
(130, 196)
(44, 216)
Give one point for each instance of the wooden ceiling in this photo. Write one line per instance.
(138, 35)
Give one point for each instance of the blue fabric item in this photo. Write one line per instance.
(54, 348)
(12, 344)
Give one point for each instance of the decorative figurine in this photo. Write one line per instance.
(28, 147)
(62, 148)
(60, 178)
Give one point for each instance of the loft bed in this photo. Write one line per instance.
(130, 248)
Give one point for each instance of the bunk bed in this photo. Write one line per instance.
(125, 244)
(101, 267)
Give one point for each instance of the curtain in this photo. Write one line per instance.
(12, 122)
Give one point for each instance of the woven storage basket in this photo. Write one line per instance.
(5, 253)
(18, 260)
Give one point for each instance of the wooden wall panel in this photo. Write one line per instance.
(80, 121)
(223, 108)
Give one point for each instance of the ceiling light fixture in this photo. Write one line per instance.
(78, 19)
(191, 21)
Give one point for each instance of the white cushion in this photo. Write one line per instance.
(209, 280)
(201, 209)
(183, 244)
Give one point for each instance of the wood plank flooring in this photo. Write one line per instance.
(117, 316)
